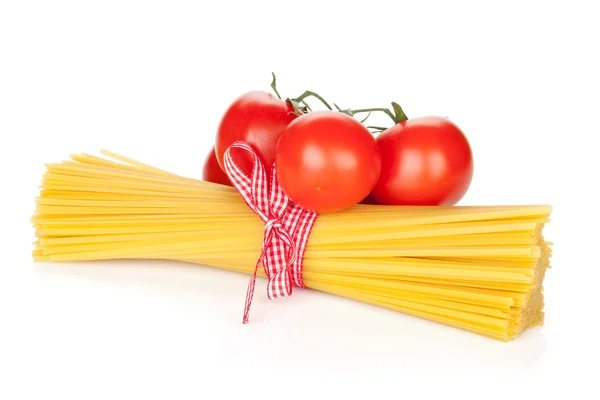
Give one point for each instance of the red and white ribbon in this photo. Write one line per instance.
(287, 227)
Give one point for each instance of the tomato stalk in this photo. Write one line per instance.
(274, 85)
(397, 116)
(308, 93)
(295, 102)
(301, 106)
(377, 129)
(298, 101)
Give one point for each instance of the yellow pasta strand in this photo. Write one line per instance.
(477, 268)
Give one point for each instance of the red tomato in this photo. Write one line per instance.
(257, 118)
(368, 200)
(327, 161)
(424, 161)
(212, 172)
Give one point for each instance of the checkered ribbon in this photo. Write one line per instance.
(287, 227)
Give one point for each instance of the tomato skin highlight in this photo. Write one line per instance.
(425, 161)
(212, 172)
(327, 161)
(257, 118)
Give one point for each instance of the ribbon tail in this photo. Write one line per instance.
(250, 292)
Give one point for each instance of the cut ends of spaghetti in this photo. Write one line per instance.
(480, 269)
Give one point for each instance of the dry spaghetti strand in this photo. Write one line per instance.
(479, 269)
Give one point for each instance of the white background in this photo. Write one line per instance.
(151, 79)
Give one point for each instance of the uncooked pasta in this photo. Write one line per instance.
(479, 269)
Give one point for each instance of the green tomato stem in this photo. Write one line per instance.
(274, 85)
(397, 114)
(308, 93)
(400, 115)
(369, 110)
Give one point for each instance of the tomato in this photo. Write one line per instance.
(368, 200)
(212, 172)
(424, 161)
(327, 161)
(257, 118)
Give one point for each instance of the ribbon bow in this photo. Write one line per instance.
(287, 227)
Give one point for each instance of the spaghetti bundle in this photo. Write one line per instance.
(479, 269)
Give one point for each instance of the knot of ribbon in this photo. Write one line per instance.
(287, 226)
